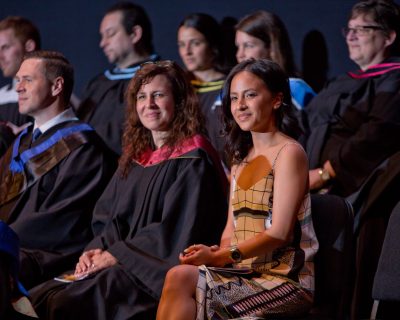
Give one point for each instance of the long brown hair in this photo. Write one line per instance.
(211, 30)
(239, 142)
(187, 122)
(271, 30)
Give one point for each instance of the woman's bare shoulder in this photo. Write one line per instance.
(291, 152)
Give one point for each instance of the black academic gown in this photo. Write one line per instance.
(103, 104)
(6, 138)
(9, 112)
(52, 217)
(210, 101)
(103, 108)
(151, 216)
(354, 123)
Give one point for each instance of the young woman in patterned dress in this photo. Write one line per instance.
(263, 265)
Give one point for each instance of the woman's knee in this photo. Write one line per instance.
(181, 277)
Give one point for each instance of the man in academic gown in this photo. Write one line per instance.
(18, 35)
(126, 39)
(52, 175)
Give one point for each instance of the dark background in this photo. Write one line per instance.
(71, 26)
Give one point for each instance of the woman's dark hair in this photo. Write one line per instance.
(187, 121)
(275, 79)
(385, 13)
(211, 30)
(270, 29)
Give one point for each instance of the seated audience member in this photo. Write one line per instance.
(126, 39)
(52, 175)
(14, 304)
(262, 34)
(263, 266)
(354, 120)
(17, 37)
(354, 124)
(199, 45)
(167, 193)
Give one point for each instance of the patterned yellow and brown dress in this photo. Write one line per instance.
(278, 284)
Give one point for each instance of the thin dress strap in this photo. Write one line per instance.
(277, 155)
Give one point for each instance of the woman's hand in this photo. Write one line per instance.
(199, 254)
(94, 260)
(85, 261)
(103, 260)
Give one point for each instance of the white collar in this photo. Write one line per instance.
(66, 115)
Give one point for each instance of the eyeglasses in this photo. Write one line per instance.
(360, 30)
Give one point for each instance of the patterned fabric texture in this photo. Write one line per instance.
(275, 284)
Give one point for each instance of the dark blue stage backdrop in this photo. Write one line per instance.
(71, 26)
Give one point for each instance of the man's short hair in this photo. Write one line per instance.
(24, 29)
(55, 65)
(135, 15)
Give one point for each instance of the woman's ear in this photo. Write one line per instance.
(278, 100)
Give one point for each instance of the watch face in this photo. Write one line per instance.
(325, 175)
(236, 256)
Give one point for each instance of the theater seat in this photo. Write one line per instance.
(333, 223)
(386, 286)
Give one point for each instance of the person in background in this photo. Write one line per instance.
(53, 173)
(126, 40)
(264, 263)
(262, 34)
(199, 45)
(354, 123)
(18, 36)
(168, 193)
(353, 120)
